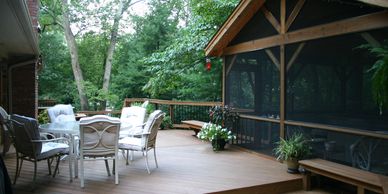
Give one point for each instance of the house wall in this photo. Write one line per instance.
(33, 8)
(24, 90)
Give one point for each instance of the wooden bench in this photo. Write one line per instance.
(194, 125)
(357, 177)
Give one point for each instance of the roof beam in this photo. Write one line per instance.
(271, 18)
(351, 25)
(273, 58)
(294, 13)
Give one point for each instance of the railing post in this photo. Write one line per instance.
(171, 110)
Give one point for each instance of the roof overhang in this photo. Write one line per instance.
(381, 3)
(245, 10)
(18, 39)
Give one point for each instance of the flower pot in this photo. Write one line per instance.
(292, 165)
(218, 144)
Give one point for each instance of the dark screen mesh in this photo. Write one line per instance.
(257, 135)
(329, 83)
(252, 82)
(366, 153)
(317, 12)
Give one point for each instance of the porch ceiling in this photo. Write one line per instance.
(17, 37)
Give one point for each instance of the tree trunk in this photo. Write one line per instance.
(70, 39)
(124, 5)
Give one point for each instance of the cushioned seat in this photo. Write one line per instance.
(30, 146)
(146, 139)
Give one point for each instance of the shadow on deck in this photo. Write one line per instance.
(186, 165)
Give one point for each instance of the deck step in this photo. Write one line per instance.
(269, 188)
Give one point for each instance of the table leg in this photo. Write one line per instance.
(75, 157)
(71, 155)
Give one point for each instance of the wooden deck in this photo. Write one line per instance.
(186, 165)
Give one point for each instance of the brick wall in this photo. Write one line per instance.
(24, 90)
(33, 7)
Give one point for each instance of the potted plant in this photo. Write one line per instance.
(292, 150)
(223, 115)
(216, 134)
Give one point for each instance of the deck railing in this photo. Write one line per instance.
(177, 110)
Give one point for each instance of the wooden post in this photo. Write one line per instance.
(171, 109)
(307, 181)
(360, 190)
(224, 75)
(282, 68)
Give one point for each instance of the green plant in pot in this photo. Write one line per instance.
(216, 134)
(292, 150)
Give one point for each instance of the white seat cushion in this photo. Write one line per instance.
(130, 143)
(46, 147)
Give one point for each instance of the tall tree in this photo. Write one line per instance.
(71, 43)
(86, 19)
(123, 6)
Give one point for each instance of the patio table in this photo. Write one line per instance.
(70, 128)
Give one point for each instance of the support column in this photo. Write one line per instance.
(282, 69)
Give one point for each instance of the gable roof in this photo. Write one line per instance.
(232, 26)
(244, 11)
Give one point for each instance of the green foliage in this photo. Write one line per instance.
(56, 78)
(97, 96)
(295, 147)
(163, 58)
(212, 131)
(43, 117)
(166, 123)
(223, 115)
(380, 74)
(136, 104)
(180, 67)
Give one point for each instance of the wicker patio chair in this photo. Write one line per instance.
(60, 113)
(132, 119)
(145, 140)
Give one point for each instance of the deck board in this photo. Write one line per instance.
(186, 165)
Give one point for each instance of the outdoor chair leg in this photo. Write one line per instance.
(114, 167)
(146, 160)
(17, 168)
(107, 167)
(34, 179)
(82, 172)
(20, 168)
(127, 156)
(57, 166)
(116, 170)
(156, 162)
(49, 165)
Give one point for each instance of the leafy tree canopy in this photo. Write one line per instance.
(162, 58)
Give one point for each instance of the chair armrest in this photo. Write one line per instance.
(44, 136)
(136, 130)
(50, 140)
